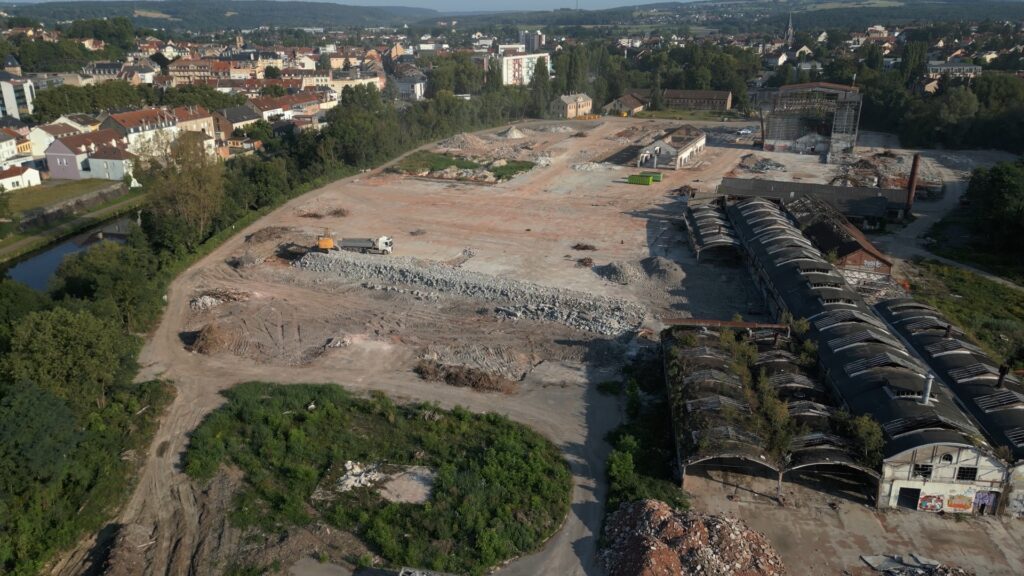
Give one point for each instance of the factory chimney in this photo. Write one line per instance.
(926, 396)
(912, 185)
(1003, 371)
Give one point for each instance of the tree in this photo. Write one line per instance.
(273, 90)
(74, 355)
(271, 72)
(185, 196)
(540, 90)
(37, 433)
(997, 204)
(657, 101)
(914, 61)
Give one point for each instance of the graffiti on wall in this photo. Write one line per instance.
(959, 503)
(930, 503)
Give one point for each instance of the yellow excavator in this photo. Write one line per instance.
(325, 242)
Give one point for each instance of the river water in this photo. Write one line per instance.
(37, 269)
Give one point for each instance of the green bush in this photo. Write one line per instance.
(500, 489)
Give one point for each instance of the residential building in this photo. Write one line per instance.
(81, 122)
(24, 145)
(195, 119)
(308, 78)
(40, 137)
(17, 177)
(8, 147)
(533, 41)
(571, 106)
(938, 69)
(190, 71)
(11, 65)
(149, 131)
(103, 71)
(16, 95)
(68, 157)
(517, 70)
(228, 120)
(285, 107)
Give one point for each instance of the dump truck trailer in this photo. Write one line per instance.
(382, 245)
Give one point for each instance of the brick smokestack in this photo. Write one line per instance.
(912, 185)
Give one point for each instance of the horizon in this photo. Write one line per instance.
(459, 6)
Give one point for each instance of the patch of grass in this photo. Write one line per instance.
(47, 194)
(953, 240)
(500, 491)
(421, 160)
(512, 168)
(990, 313)
(696, 115)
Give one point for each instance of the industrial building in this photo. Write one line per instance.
(817, 118)
(865, 205)
(936, 456)
(673, 149)
(856, 258)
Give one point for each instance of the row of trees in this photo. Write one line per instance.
(55, 102)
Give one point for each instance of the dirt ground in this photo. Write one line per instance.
(245, 313)
(819, 533)
(284, 325)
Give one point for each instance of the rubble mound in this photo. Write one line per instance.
(461, 142)
(512, 133)
(464, 377)
(619, 272)
(663, 269)
(213, 338)
(649, 538)
(761, 165)
(513, 299)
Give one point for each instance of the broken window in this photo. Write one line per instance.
(923, 471)
(967, 473)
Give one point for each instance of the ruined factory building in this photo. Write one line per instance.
(870, 371)
(817, 117)
(993, 397)
(835, 236)
(709, 231)
(674, 149)
(716, 428)
(866, 206)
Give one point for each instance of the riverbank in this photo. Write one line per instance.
(19, 244)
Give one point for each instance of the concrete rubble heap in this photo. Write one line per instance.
(649, 538)
(513, 298)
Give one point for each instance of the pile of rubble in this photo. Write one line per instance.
(461, 142)
(464, 174)
(760, 165)
(593, 166)
(213, 298)
(624, 273)
(356, 476)
(513, 298)
(912, 565)
(649, 538)
(512, 133)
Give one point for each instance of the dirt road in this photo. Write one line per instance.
(522, 229)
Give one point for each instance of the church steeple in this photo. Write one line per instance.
(790, 33)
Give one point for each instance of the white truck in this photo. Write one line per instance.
(382, 245)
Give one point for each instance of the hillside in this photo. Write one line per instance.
(204, 15)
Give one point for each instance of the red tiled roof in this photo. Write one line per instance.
(59, 129)
(112, 153)
(12, 172)
(284, 102)
(81, 142)
(187, 113)
(144, 117)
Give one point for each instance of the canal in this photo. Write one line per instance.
(37, 269)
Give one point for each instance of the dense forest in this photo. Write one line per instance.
(72, 423)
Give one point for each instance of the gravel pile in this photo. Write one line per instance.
(461, 142)
(593, 167)
(663, 269)
(619, 272)
(649, 538)
(513, 298)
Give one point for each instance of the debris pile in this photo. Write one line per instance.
(464, 377)
(649, 538)
(356, 476)
(619, 272)
(461, 142)
(512, 133)
(663, 269)
(912, 565)
(464, 174)
(760, 165)
(593, 166)
(514, 299)
(213, 298)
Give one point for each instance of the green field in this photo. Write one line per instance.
(48, 194)
(993, 314)
(954, 240)
(422, 161)
(500, 489)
